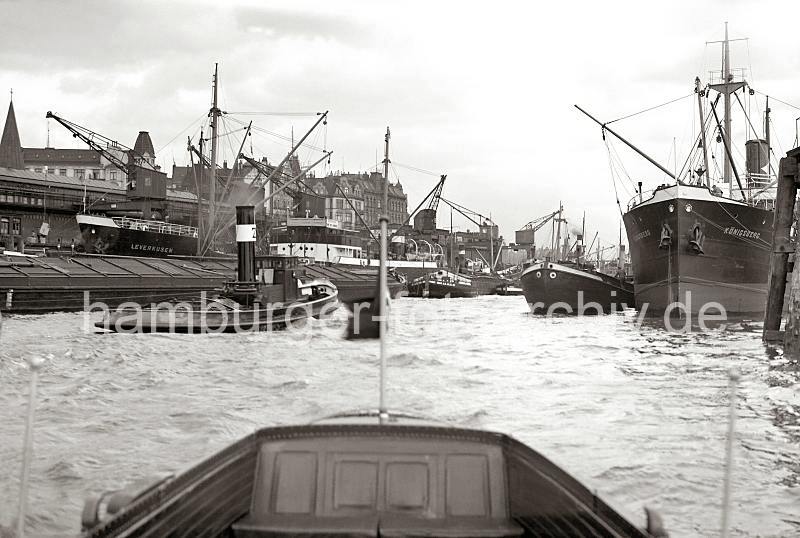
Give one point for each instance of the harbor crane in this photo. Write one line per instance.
(482, 222)
(121, 156)
(527, 234)
(145, 184)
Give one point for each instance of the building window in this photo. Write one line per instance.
(39, 170)
(79, 173)
(16, 226)
(62, 172)
(51, 170)
(113, 175)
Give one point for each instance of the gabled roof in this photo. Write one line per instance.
(10, 147)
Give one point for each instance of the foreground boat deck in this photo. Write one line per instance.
(370, 480)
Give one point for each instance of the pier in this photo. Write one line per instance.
(782, 260)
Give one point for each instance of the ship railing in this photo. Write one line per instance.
(155, 226)
(639, 198)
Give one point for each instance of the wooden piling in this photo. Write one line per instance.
(791, 341)
(781, 246)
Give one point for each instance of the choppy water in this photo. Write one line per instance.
(637, 413)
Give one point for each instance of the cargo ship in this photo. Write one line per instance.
(126, 236)
(569, 288)
(695, 247)
(570, 284)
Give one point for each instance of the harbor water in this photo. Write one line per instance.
(636, 412)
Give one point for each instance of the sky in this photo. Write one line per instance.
(480, 91)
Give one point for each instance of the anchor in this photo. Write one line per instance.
(696, 237)
(666, 236)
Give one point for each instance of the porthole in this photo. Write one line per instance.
(688, 208)
(552, 274)
(538, 274)
(671, 208)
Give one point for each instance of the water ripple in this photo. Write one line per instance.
(637, 413)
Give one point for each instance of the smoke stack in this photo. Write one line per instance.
(246, 243)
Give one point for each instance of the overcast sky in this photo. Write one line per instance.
(480, 91)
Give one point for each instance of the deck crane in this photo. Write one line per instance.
(266, 171)
(302, 195)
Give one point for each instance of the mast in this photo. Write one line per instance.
(452, 243)
(726, 77)
(558, 232)
(766, 137)
(726, 88)
(700, 95)
(382, 411)
(491, 244)
(214, 115)
(581, 259)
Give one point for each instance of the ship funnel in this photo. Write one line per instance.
(756, 157)
(246, 243)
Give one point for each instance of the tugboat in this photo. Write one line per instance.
(365, 474)
(574, 286)
(442, 284)
(270, 293)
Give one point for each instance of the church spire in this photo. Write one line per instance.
(10, 147)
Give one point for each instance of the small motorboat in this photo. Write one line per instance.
(509, 289)
(442, 284)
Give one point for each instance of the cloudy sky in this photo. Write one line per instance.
(480, 91)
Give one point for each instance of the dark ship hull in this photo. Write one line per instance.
(102, 235)
(555, 288)
(693, 250)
